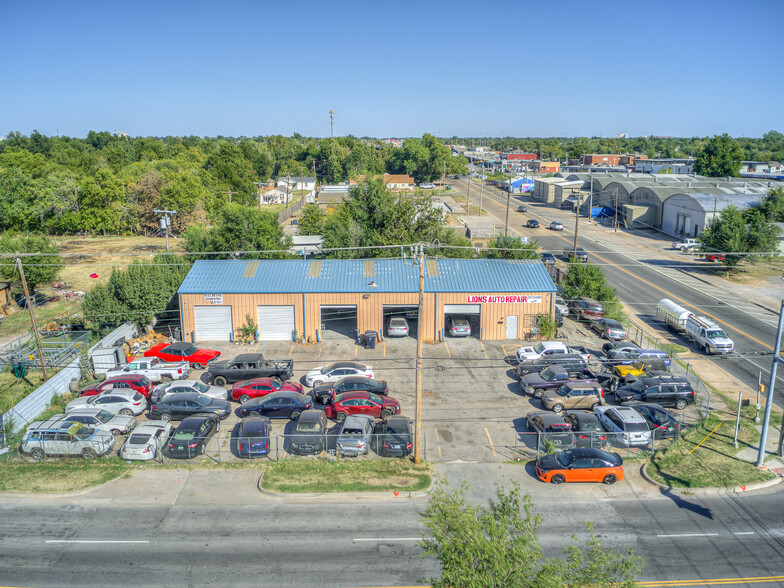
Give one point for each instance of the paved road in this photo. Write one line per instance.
(275, 542)
(641, 285)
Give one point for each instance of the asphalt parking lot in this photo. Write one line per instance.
(472, 408)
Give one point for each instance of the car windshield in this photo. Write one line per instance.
(375, 398)
(717, 334)
(189, 350)
(563, 390)
(139, 439)
(394, 429)
(591, 426)
(352, 433)
(326, 370)
(184, 435)
(200, 387)
(539, 348)
(252, 434)
(308, 427)
(204, 400)
(104, 416)
(547, 374)
(565, 458)
(277, 383)
(637, 386)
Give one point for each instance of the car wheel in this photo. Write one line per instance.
(317, 383)
(341, 416)
(219, 381)
(254, 413)
(88, 453)
(165, 417)
(386, 413)
(295, 415)
(37, 454)
(557, 407)
(558, 479)
(198, 366)
(528, 425)
(126, 412)
(610, 479)
(539, 392)
(681, 404)
(115, 432)
(594, 405)
(244, 398)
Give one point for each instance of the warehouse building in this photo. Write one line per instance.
(313, 300)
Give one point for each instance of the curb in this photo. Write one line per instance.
(375, 495)
(708, 491)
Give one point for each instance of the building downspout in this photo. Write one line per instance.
(304, 320)
(182, 320)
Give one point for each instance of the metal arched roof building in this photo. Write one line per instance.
(687, 214)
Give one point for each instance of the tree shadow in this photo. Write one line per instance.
(679, 501)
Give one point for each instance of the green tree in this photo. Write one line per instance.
(587, 279)
(38, 269)
(721, 156)
(311, 220)
(497, 546)
(739, 234)
(512, 248)
(773, 205)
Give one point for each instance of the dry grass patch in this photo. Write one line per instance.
(60, 476)
(321, 475)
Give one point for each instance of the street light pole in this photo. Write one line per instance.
(771, 384)
(418, 425)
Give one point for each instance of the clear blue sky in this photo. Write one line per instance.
(519, 68)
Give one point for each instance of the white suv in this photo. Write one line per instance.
(44, 438)
(627, 425)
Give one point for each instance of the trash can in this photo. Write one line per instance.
(19, 370)
(370, 339)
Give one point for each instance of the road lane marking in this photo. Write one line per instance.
(483, 349)
(370, 539)
(714, 582)
(292, 348)
(491, 441)
(439, 450)
(692, 535)
(745, 533)
(320, 348)
(447, 349)
(90, 541)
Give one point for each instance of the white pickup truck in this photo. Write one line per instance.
(547, 348)
(685, 245)
(155, 369)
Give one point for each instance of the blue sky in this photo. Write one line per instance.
(687, 68)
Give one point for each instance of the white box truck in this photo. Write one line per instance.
(708, 336)
(673, 315)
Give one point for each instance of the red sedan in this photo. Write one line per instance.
(197, 358)
(136, 382)
(340, 406)
(244, 391)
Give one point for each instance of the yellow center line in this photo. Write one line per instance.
(491, 441)
(356, 350)
(447, 349)
(483, 349)
(292, 348)
(385, 348)
(714, 582)
(321, 345)
(439, 450)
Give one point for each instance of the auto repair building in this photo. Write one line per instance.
(313, 300)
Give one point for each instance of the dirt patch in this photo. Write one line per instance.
(430, 394)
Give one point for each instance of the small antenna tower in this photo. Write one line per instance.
(331, 123)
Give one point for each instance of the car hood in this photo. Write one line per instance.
(203, 356)
(548, 462)
(77, 404)
(627, 392)
(533, 379)
(120, 421)
(314, 373)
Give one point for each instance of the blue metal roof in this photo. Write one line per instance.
(347, 275)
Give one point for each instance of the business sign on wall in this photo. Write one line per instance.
(214, 298)
(507, 298)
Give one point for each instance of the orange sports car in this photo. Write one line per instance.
(580, 465)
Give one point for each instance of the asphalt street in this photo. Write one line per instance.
(296, 542)
(640, 285)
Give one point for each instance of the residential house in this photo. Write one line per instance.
(397, 182)
(297, 183)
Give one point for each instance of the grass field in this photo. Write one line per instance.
(61, 476)
(13, 389)
(302, 475)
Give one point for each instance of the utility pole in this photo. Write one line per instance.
(616, 210)
(443, 179)
(229, 192)
(481, 190)
(32, 318)
(288, 185)
(418, 432)
(590, 202)
(165, 222)
(771, 384)
(468, 192)
(576, 231)
(506, 222)
(258, 184)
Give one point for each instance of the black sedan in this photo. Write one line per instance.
(662, 424)
(532, 223)
(396, 436)
(587, 429)
(551, 427)
(191, 437)
(179, 406)
(349, 384)
(522, 209)
(548, 257)
(278, 405)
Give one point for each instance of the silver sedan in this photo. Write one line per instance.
(147, 441)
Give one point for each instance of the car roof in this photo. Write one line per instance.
(548, 417)
(357, 420)
(583, 416)
(255, 423)
(147, 428)
(196, 421)
(576, 385)
(398, 419)
(668, 379)
(313, 414)
(179, 345)
(180, 396)
(352, 395)
(88, 410)
(248, 358)
(397, 319)
(583, 452)
(123, 378)
(355, 379)
(628, 414)
(347, 364)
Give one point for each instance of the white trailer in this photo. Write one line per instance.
(675, 316)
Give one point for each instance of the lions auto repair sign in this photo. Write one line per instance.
(507, 298)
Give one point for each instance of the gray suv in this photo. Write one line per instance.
(45, 438)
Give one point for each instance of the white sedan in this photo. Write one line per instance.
(121, 401)
(180, 386)
(147, 441)
(337, 371)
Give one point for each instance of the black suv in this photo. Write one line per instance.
(349, 384)
(308, 435)
(580, 255)
(675, 391)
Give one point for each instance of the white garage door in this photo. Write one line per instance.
(213, 323)
(276, 323)
(461, 308)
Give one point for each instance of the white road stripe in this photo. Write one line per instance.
(389, 539)
(745, 533)
(90, 541)
(692, 535)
